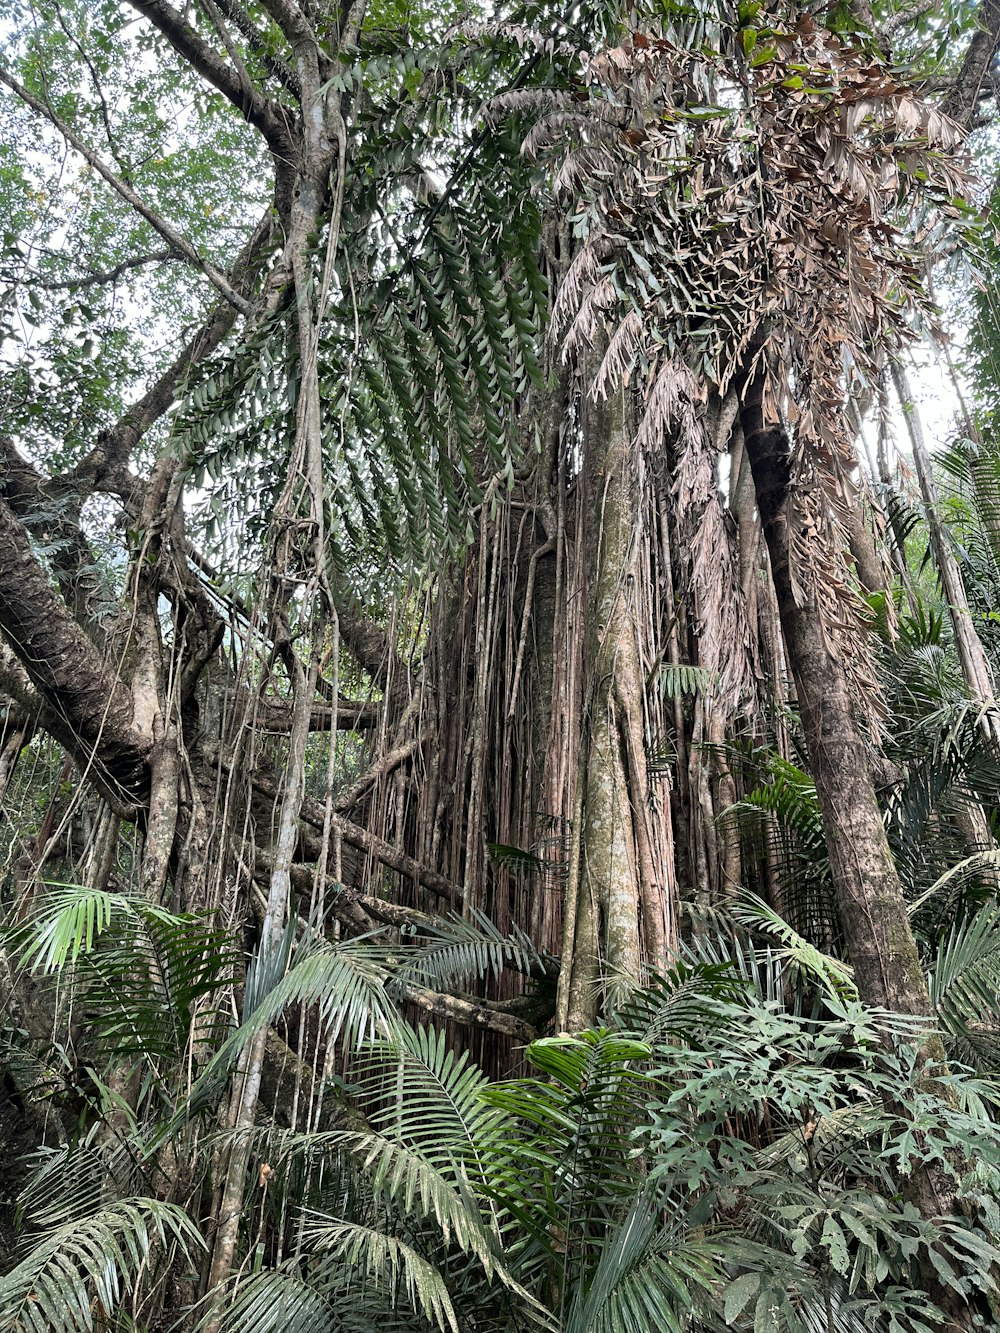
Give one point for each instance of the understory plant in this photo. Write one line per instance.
(739, 1144)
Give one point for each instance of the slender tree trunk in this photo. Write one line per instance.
(972, 656)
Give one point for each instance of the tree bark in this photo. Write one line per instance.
(89, 711)
(872, 907)
(619, 916)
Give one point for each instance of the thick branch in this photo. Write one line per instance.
(371, 647)
(470, 1013)
(290, 19)
(313, 813)
(89, 710)
(264, 114)
(240, 19)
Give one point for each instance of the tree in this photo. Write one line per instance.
(489, 632)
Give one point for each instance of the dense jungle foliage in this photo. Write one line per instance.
(499, 622)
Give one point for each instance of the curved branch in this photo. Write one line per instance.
(87, 709)
(112, 275)
(240, 19)
(169, 233)
(265, 115)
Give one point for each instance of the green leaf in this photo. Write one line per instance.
(738, 1295)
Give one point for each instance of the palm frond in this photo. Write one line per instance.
(648, 1275)
(401, 1175)
(419, 1092)
(274, 1301)
(346, 984)
(368, 1253)
(70, 921)
(833, 974)
(462, 950)
(964, 980)
(76, 1277)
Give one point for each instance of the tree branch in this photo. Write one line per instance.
(265, 115)
(292, 21)
(313, 813)
(107, 461)
(169, 233)
(275, 716)
(88, 710)
(963, 97)
(240, 19)
(470, 1013)
(112, 275)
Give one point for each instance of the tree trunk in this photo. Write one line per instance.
(622, 882)
(972, 656)
(872, 907)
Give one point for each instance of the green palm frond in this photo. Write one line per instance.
(429, 347)
(306, 1296)
(404, 1178)
(275, 1301)
(141, 971)
(561, 1162)
(648, 1275)
(344, 981)
(968, 867)
(77, 1276)
(789, 794)
(722, 942)
(70, 921)
(684, 1000)
(964, 982)
(367, 1253)
(834, 975)
(678, 680)
(418, 1091)
(78, 1180)
(461, 950)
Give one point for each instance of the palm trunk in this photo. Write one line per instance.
(872, 907)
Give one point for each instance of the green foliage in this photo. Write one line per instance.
(88, 1269)
(463, 950)
(708, 1157)
(964, 985)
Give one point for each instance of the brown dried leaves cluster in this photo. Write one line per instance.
(756, 196)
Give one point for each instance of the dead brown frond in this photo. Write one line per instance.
(763, 207)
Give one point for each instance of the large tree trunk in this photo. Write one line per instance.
(872, 907)
(621, 873)
(873, 911)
